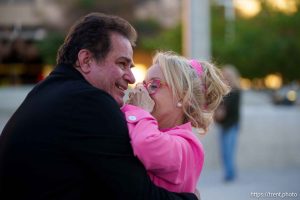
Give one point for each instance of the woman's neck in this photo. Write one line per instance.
(166, 122)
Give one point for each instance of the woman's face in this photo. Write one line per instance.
(160, 92)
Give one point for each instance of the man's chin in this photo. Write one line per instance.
(121, 104)
(119, 100)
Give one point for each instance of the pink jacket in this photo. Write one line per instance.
(172, 157)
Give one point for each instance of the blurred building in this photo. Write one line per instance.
(22, 24)
(27, 19)
(166, 12)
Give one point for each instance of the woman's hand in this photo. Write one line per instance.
(139, 96)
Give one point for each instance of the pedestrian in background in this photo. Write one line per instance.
(227, 117)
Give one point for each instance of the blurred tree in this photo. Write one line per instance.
(267, 43)
(48, 47)
(147, 28)
(77, 8)
(153, 37)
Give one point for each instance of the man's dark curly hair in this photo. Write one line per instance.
(92, 32)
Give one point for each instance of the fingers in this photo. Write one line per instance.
(139, 90)
(139, 96)
(139, 85)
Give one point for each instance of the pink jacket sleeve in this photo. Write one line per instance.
(163, 153)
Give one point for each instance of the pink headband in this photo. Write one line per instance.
(197, 66)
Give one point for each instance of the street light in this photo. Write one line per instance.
(248, 8)
(139, 72)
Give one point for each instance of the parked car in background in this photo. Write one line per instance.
(287, 95)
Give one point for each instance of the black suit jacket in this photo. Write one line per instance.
(69, 140)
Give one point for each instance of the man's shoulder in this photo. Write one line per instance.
(67, 83)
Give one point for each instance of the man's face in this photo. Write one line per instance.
(113, 74)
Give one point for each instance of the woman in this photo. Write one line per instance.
(179, 94)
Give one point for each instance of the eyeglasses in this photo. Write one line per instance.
(153, 85)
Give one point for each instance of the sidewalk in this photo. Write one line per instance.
(268, 158)
(250, 184)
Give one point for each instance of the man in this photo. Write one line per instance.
(69, 139)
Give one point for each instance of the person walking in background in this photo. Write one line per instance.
(69, 138)
(177, 94)
(227, 117)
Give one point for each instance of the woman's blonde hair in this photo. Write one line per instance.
(200, 96)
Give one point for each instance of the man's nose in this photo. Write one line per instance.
(130, 77)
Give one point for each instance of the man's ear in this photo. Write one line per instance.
(84, 59)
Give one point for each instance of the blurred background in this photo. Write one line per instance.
(260, 38)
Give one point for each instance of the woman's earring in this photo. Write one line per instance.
(179, 105)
